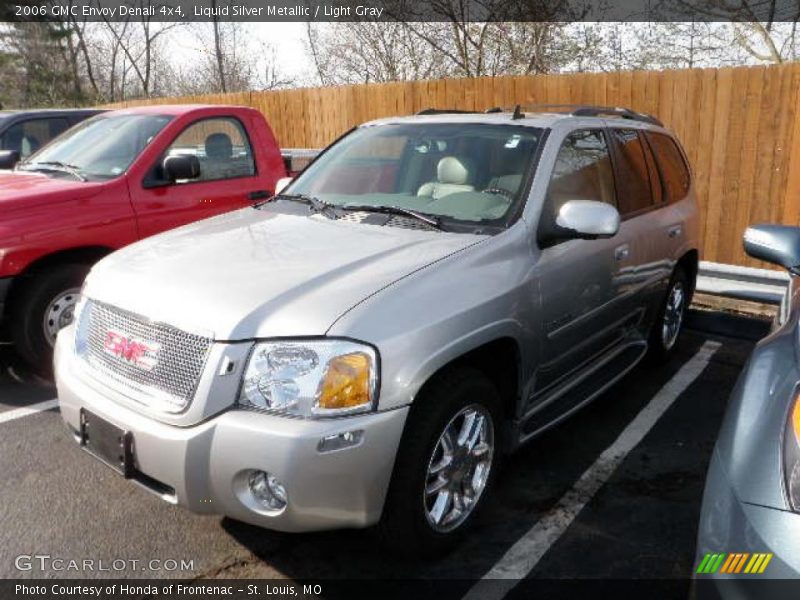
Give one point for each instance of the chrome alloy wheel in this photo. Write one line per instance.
(59, 313)
(673, 315)
(459, 467)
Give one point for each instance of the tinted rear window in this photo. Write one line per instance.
(633, 178)
(674, 171)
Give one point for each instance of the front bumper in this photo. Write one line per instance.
(201, 467)
(728, 525)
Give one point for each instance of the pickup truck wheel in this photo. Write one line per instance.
(45, 305)
(669, 320)
(445, 465)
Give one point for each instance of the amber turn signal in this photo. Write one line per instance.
(347, 382)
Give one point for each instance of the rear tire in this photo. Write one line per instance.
(461, 403)
(666, 329)
(44, 305)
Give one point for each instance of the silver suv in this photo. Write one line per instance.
(429, 294)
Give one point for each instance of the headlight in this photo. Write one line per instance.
(791, 455)
(311, 378)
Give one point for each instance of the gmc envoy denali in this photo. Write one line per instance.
(363, 348)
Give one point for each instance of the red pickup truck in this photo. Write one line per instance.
(112, 180)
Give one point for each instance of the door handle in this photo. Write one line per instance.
(622, 252)
(259, 195)
(674, 231)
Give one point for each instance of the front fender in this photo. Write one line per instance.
(439, 313)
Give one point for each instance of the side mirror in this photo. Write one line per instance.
(587, 219)
(776, 244)
(181, 166)
(281, 184)
(8, 159)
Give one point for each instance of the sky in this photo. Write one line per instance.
(287, 39)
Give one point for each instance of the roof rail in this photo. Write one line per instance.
(585, 110)
(576, 110)
(616, 111)
(446, 111)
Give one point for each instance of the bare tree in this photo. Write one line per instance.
(763, 30)
(139, 42)
(228, 61)
(377, 52)
(345, 53)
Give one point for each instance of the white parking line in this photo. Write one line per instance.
(524, 555)
(18, 413)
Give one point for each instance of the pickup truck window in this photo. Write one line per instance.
(26, 137)
(222, 147)
(98, 149)
(472, 173)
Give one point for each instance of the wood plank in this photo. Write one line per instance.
(752, 137)
(717, 151)
(791, 191)
(729, 238)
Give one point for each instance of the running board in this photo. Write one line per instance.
(590, 385)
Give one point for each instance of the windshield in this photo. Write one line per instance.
(100, 148)
(467, 172)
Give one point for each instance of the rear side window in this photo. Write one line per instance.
(633, 177)
(674, 171)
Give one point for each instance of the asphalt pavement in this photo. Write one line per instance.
(639, 521)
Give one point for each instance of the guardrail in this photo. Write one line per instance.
(742, 283)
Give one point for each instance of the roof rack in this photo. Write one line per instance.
(446, 111)
(615, 111)
(585, 110)
(576, 110)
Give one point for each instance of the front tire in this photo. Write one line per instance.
(445, 466)
(44, 306)
(669, 319)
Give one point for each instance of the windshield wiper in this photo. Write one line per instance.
(429, 219)
(59, 166)
(319, 206)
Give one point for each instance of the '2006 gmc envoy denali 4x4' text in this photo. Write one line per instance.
(430, 293)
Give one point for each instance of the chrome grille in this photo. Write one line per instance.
(179, 362)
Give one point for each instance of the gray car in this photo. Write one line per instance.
(429, 294)
(749, 525)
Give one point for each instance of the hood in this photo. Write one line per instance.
(263, 273)
(24, 189)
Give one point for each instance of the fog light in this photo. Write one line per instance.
(267, 490)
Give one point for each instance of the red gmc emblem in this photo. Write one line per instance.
(141, 354)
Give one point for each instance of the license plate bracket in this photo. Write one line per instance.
(107, 442)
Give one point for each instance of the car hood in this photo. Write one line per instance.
(21, 189)
(263, 273)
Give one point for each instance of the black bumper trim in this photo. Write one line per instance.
(5, 285)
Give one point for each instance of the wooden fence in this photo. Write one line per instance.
(740, 127)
